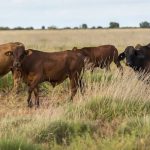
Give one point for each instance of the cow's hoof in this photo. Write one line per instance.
(30, 104)
(37, 106)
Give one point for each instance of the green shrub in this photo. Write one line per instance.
(98, 77)
(62, 132)
(108, 108)
(11, 144)
(6, 82)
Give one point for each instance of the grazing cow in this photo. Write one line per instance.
(139, 59)
(37, 66)
(101, 56)
(6, 61)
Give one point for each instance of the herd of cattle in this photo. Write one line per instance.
(35, 67)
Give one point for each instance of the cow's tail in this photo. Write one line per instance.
(81, 82)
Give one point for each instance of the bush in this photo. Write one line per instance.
(43, 27)
(84, 26)
(99, 27)
(22, 28)
(6, 82)
(113, 25)
(52, 28)
(4, 28)
(67, 28)
(11, 144)
(93, 27)
(63, 132)
(107, 108)
(145, 24)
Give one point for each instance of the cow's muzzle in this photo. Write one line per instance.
(16, 64)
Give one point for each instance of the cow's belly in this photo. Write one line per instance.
(56, 79)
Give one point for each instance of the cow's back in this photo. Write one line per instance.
(54, 66)
(105, 51)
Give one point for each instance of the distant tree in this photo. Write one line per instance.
(43, 27)
(145, 24)
(76, 28)
(52, 28)
(22, 28)
(4, 28)
(93, 27)
(113, 25)
(18, 28)
(67, 28)
(99, 27)
(29, 28)
(84, 26)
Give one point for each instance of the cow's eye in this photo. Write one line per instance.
(22, 56)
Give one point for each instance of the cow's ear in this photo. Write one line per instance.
(138, 46)
(9, 53)
(28, 52)
(121, 56)
(148, 45)
(75, 48)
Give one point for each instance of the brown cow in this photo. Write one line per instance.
(37, 67)
(101, 56)
(6, 61)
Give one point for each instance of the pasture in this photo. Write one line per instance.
(113, 113)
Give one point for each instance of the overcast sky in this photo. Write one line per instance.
(72, 13)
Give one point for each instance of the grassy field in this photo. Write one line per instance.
(113, 113)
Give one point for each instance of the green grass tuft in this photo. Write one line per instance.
(63, 132)
(11, 144)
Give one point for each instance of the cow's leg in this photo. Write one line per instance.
(119, 66)
(36, 94)
(74, 85)
(30, 90)
(81, 86)
(16, 80)
(108, 68)
(32, 87)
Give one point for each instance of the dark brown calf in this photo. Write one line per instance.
(101, 56)
(37, 67)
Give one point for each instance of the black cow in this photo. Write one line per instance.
(138, 59)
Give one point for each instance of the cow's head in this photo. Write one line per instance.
(128, 52)
(134, 58)
(18, 55)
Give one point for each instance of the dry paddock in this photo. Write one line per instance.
(111, 101)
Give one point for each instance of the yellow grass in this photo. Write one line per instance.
(16, 120)
(56, 40)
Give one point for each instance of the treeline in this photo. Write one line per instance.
(144, 24)
(16, 28)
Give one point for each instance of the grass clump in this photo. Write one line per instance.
(11, 144)
(63, 132)
(6, 82)
(108, 108)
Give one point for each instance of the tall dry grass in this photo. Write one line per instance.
(107, 116)
(55, 40)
